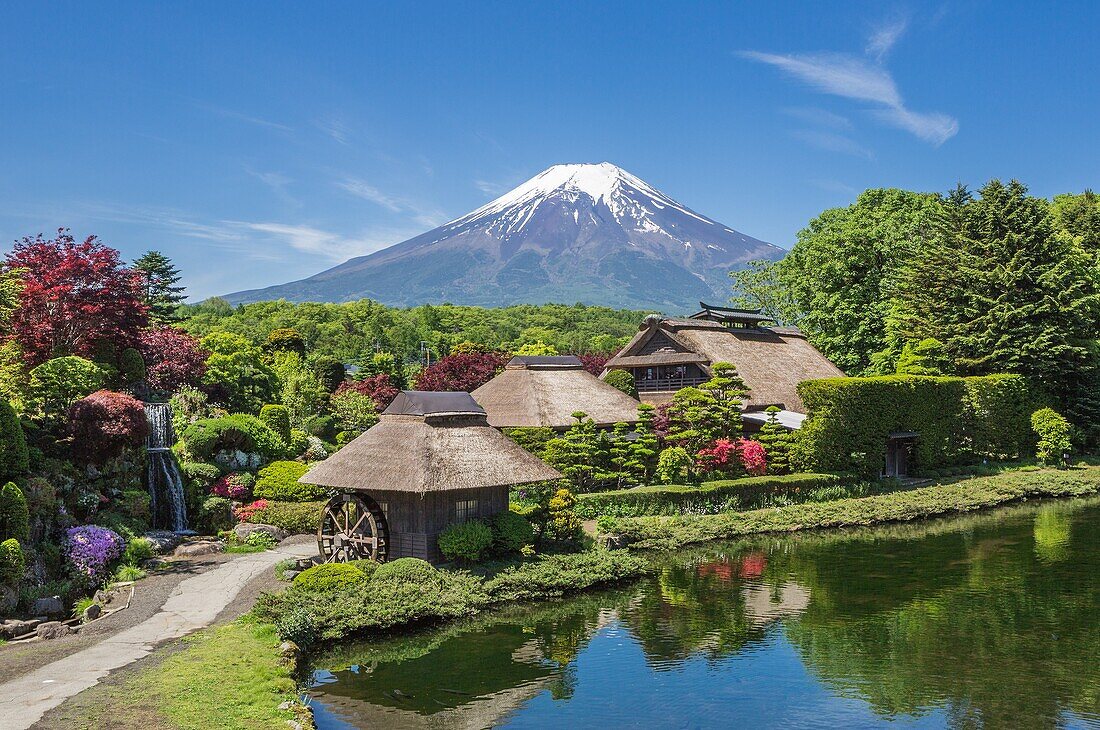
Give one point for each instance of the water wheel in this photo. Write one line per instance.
(353, 527)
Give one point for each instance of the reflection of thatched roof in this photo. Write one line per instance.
(546, 391)
(771, 360)
(430, 442)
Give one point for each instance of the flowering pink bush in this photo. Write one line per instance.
(732, 457)
(244, 514)
(91, 549)
(237, 485)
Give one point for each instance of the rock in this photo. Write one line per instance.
(198, 547)
(163, 541)
(244, 529)
(154, 564)
(288, 649)
(92, 612)
(284, 706)
(14, 628)
(52, 630)
(290, 575)
(51, 606)
(294, 724)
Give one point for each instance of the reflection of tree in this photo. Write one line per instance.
(1001, 639)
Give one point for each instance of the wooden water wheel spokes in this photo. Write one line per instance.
(353, 527)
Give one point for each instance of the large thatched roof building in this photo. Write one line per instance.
(431, 461)
(669, 354)
(546, 391)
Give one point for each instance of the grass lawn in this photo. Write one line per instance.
(952, 497)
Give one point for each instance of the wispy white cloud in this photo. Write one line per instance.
(852, 77)
(883, 38)
(489, 188)
(423, 214)
(819, 117)
(833, 142)
(335, 128)
(242, 117)
(277, 182)
(326, 244)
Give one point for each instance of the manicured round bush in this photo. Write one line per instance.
(14, 458)
(285, 340)
(131, 366)
(466, 542)
(297, 518)
(323, 427)
(14, 516)
(237, 432)
(329, 577)
(104, 425)
(12, 563)
(279, 481)
(200, 472)
(511, 532)
(277, 419)
(407, 570)
(622, 380)
(299, 442)
(1054, 435)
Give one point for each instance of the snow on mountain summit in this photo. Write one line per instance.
(592, 233)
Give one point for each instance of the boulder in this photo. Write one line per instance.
(52, 630)
(14, 628)
(244, 529)
(92, 612)
(199, 547)
(9, 598)
(163, 541)
(51, 606)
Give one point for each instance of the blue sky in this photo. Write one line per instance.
(257, 143)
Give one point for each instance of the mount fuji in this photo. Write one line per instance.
(590, 233)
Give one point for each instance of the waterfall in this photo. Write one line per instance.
(162, 473)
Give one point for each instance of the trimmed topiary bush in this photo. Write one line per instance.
(622, 380)
(330, 577)
(277, 419)
(200, 472)
(511, 532)
(299, 442)
(14, 516)
(104, 425)
(466, 542)
(297, 518)
(1054, 436)
(215, 515)
(237, 432)
(408, 570)
(12, 562)
(279, 481)
(14, 457)
(131, 367)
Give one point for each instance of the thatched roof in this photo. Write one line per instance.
(430, 442)
(771, 360)
(546, 391)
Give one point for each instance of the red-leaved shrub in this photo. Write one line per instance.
(104, 425)
(379, 388)
(731, 457)
(173, 358)
(461, 372)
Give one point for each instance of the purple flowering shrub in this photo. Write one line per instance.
(90, 549)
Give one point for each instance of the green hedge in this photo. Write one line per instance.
(14, 515)
(12, 562)
(279, 481)
(277, 419)
(14, 457)
(958, 420)
(297, 518)
(711, 497)
(206, 437)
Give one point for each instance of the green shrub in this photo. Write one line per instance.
(1054, 436)
(407, 570)
(128, 574)
(323, 427)
(297, 518)
(563, 526)
(12, 563)
(279, 481)
(297, 624)
(997, 417)
(710, 498)
(135, 503)
(200, 472)
(138, 550)
(674, 465)
(206, 437)
(215, 515)
(277, 419)
(299, 442)
(57, 384)
(14, 516)
(131, 367)
(622, 380)
(329, 576)
(14, 457)
(466, 542)
(511, 532)
(558, 575)
(531, 438)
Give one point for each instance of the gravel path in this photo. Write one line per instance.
(194, 603)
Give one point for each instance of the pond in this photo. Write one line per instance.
(988, 620)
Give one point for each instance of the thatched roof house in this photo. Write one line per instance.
(546, 391)
(432, 460)
(669, 354)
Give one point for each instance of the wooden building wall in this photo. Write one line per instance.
(415, 521)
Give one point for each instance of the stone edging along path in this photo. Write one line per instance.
(194, 604)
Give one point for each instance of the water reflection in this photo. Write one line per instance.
(982, 621)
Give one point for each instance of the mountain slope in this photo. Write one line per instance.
(573, 233)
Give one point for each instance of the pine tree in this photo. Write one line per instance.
(776, 441)
(728, 390)
(644, 449)
(582, 454)
(162, 296)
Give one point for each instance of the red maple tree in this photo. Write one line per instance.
(378, 388)
(105, 424)
(462, 371)
(172, 357)
(594, 362)
(77, 298)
